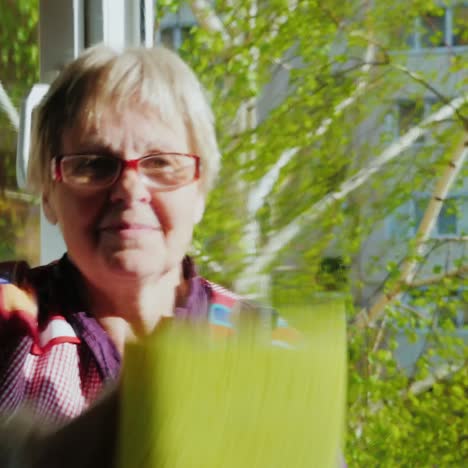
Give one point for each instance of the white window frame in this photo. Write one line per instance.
(415, 37)
(175, 24)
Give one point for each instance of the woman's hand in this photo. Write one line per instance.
(18, 310)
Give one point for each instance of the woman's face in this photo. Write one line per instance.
(128, 231)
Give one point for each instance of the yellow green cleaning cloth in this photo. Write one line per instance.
(192, 402)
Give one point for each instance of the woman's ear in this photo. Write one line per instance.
(48, 207)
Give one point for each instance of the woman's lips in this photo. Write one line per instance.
(129, 229)
(120, 226)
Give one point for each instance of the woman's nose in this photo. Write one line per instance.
(130, 187)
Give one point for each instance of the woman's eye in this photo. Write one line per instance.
(160, 162)
(95, 167)
(86, 165)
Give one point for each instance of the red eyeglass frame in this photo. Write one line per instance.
(56, 168)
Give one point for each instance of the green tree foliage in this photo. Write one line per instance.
(363, 117)
(338, 122)
(19, 58)
(19, 69)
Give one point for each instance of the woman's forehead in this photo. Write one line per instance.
(137, 129)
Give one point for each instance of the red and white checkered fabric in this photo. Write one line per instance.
(55, 382)
(222, 292)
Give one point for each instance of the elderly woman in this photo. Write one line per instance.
(124, 153)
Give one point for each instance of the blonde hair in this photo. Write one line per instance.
(101, 78)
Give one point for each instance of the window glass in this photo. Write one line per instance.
(460, 25)
(447, 221)
(400, 226)
(410, 113)
(431, 308)
(174, 36)
(407, 33)
(167, 37)
(420, 205)
(433, 31)
(19, 69)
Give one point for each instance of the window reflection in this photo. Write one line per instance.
(433, 31)
(460, 25)
(19, 69)
(446, 28)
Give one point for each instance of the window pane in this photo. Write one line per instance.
(433, 31)
(19, 67)
(420, 206)
(404, 36)
(174, 36)
(460, 25)
(167, 37)
(410, 113)
(185, 32)
(447, 221)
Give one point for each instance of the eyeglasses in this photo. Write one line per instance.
(161, 171)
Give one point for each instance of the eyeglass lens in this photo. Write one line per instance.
(89, 169)
(165, 170)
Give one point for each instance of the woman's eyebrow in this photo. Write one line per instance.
(94, 143)
(157, 149)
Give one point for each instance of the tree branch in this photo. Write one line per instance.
(441, 373)
(8, 107)
(380, 335)
(445, 239)
(419, 79)
(437, 278)
(208, 19)
(258, 195)
(409, 267)
(286, 234)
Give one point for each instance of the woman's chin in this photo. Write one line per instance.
(135, 265)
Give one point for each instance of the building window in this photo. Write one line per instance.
(432, 30)
(174, 36)
(460, 25)
(176, 28)
(448, 221)
(430, 308)
(405, 221)
(409, 113)
(448, 28)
